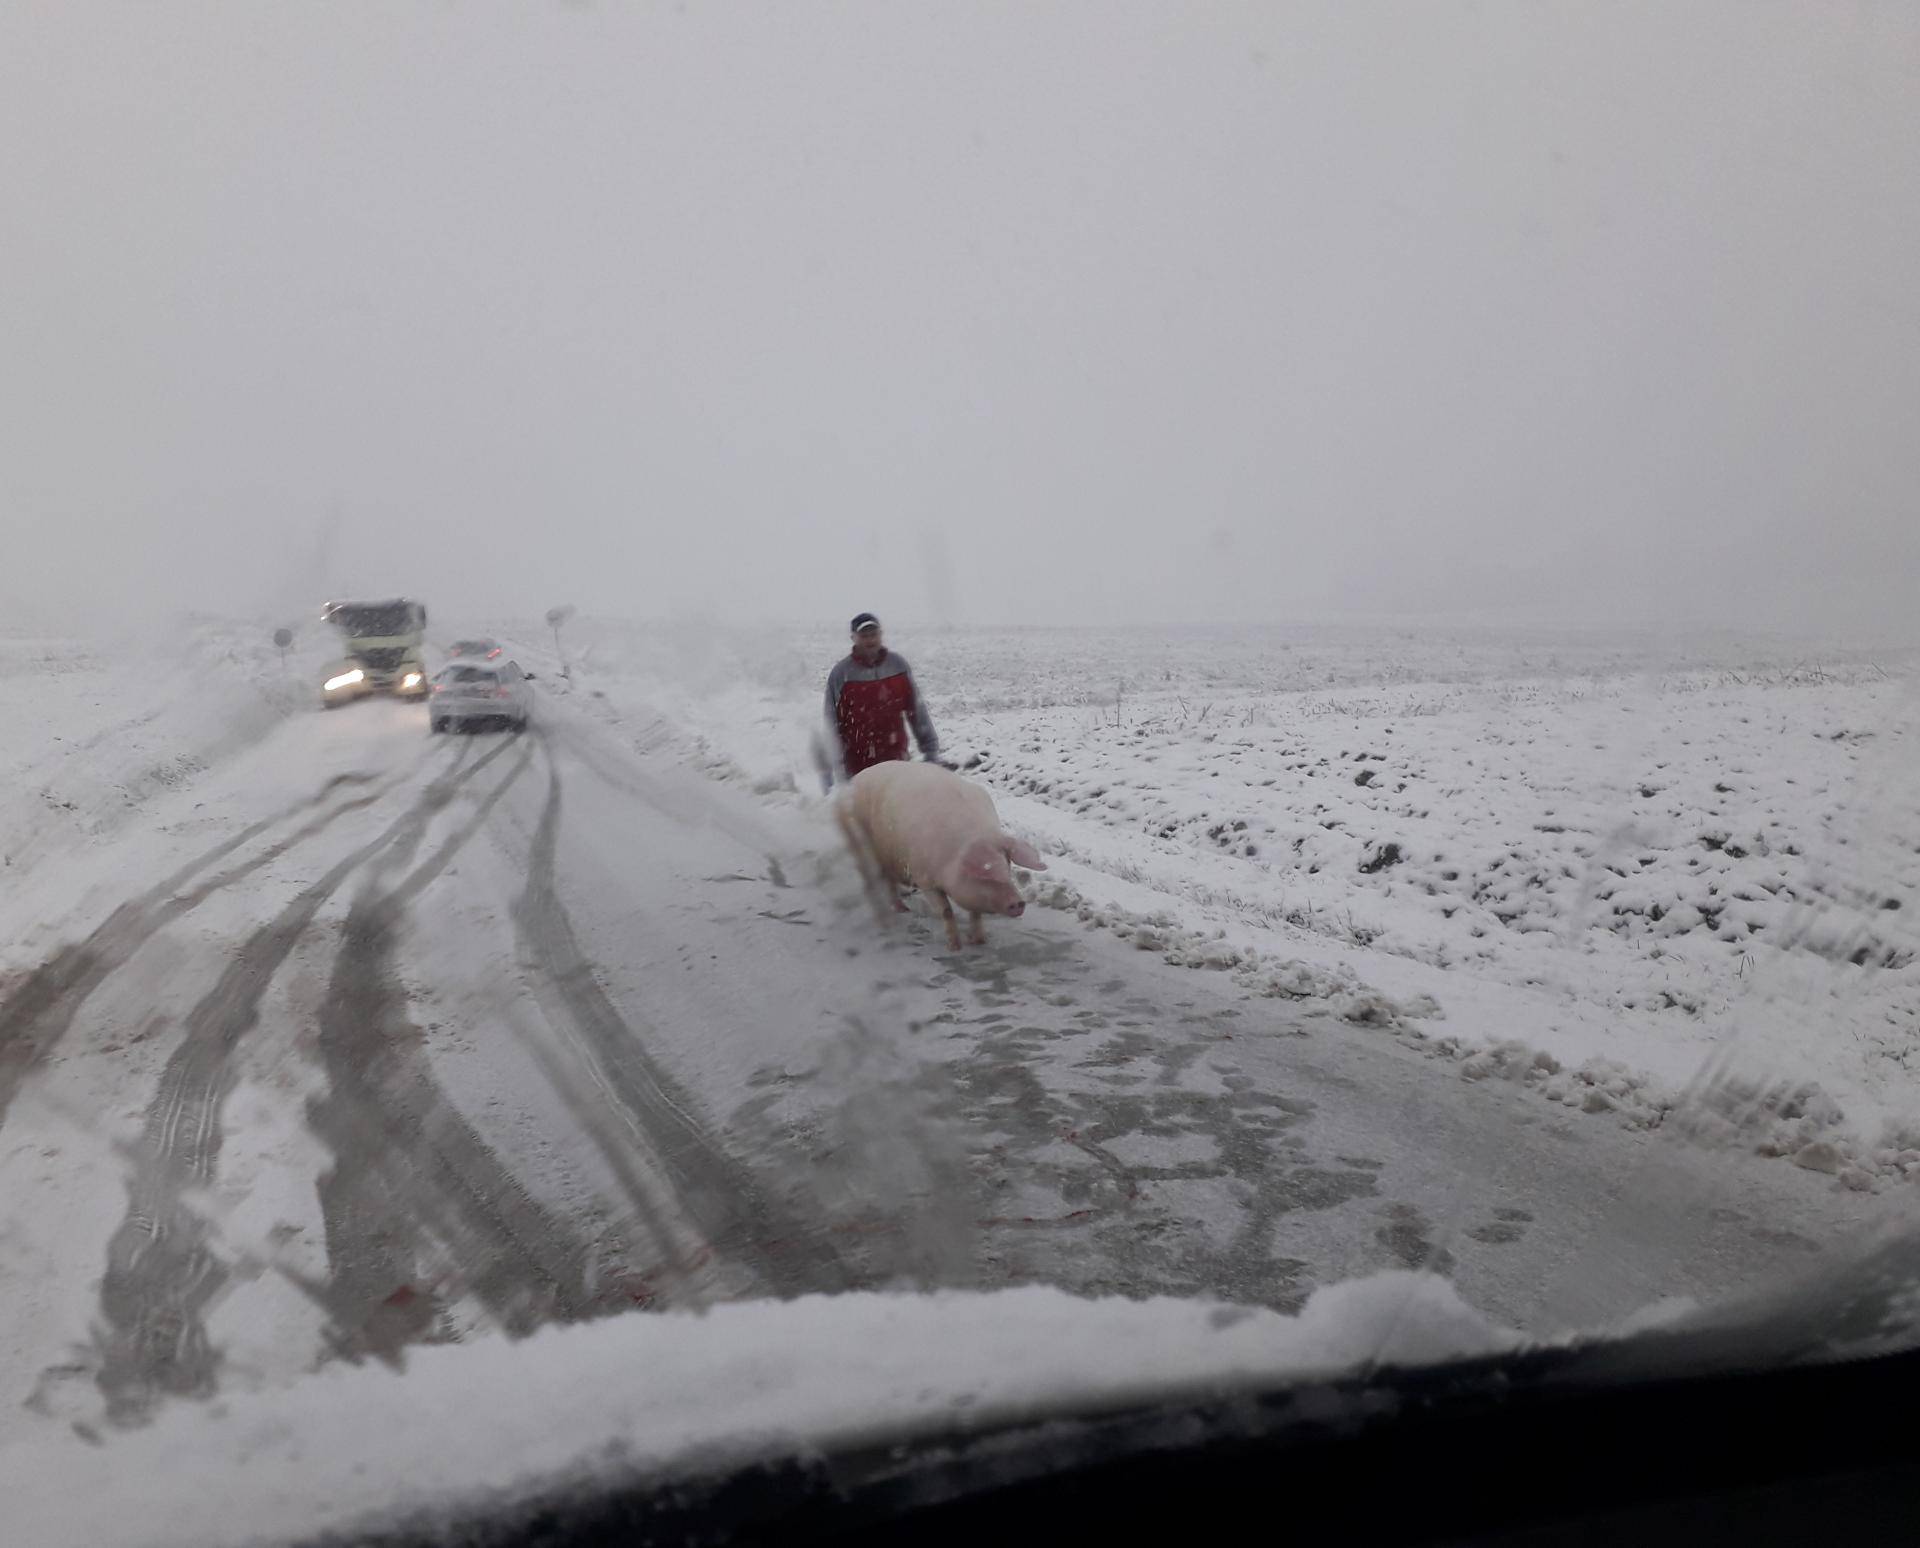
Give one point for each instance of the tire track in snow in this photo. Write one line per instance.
(668, 1156)
(41, 1009)
(415, 1197)
(161, 1271)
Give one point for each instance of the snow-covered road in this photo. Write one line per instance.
(347, 1038)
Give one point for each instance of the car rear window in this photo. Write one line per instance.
(468, 674)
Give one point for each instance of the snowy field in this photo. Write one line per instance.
(1618, 869)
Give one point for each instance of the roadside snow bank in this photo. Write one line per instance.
(100, 727)
(663, 1395)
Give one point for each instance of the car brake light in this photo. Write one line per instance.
(502, 693)
(494, 652)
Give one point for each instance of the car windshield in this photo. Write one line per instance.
(1189, 696)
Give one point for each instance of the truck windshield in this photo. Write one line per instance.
(375, 620)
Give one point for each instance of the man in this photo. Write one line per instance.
(870, 702)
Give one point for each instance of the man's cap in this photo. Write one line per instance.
(863, 621)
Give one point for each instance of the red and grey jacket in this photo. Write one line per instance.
(869, 708)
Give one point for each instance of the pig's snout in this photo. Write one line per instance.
(983, 882)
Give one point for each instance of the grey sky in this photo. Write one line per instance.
(1591, 311)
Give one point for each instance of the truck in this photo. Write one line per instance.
(384, 650)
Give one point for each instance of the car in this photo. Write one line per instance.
(481, 648)
(466, 695)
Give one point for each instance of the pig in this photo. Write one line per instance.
(921, 825)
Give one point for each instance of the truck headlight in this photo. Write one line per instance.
(411, 680)
(345, 680)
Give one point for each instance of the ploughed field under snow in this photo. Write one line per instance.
(1536, 963)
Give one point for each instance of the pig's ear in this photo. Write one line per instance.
(1021, 853)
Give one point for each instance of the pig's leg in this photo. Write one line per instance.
(977, 928)
(952, 924)
(871, 877)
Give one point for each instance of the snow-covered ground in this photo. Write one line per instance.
(324, 1041)
(1613, 867)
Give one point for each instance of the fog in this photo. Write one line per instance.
(965, 313)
